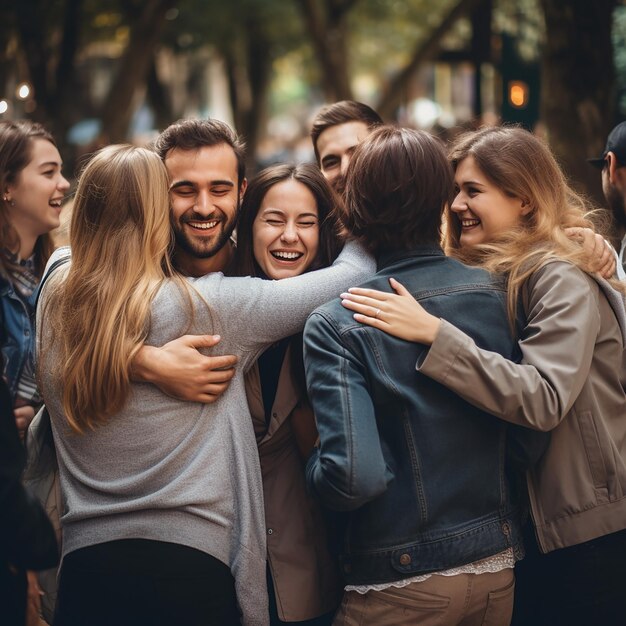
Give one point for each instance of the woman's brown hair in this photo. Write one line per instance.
(16, 142)
(326, 199)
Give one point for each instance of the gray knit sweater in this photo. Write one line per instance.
(183, 472)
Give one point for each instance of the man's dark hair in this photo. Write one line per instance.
(398, 183)
(194, 134)
(342, 112)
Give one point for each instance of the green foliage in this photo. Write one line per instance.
(384, 34)
(197, 23)
(523, 20)
(619, 46)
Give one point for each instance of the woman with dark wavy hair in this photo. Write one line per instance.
(288, 227)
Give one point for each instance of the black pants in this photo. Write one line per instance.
(12, 596)
(133, 582)
(580, 585)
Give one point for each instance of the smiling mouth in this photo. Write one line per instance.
(469, 223)
(56, 203)
(203, 225)
(287, 256)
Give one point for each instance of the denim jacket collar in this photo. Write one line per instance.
(388, 257)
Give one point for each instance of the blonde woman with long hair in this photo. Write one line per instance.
(163, 519)
(510, 213)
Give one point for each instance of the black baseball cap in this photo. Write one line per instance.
(615, 143)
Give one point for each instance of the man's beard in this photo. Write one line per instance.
(199, 249)
(616, 203)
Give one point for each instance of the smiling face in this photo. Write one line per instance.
(35, 197)
(484, 211)
(205, 199)
(285, 232)
(335, 146)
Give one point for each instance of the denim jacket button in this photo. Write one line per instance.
(405, 559)
(506, 529)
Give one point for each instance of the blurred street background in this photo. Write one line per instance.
(107, 71)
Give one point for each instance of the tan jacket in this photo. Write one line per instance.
(305, 576)
(572, 382)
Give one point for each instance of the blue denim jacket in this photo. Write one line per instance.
(424, 474)
(18, 336)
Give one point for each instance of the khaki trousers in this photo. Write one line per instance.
(461, 600)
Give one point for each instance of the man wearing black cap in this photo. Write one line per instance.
(613, 165)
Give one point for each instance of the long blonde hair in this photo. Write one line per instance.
(521, 166)
(120, 239)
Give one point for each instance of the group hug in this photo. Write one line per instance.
(385, 388)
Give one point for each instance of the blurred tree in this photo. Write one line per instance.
(578, 79)
(49, 35)
(619, 47)
(249, 35)
(327, 25)
(425, 50)
(147, 20)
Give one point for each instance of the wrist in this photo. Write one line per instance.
(432, 329)
(142, 365)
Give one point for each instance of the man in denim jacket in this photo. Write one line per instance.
(426, 480)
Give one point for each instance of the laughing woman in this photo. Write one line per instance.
(33, 188)
(511, 208)
(287, 227)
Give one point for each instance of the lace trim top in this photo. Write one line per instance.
(490, 565)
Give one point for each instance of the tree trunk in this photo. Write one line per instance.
(248, 68)
(424, 51)
(328, 30)
(577, 92)
(159, 97)
(259, 66)
(33, 44)
(54, 88)
(133, 69)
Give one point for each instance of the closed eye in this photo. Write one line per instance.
(220, 191)
(328, 164)
(184, 191)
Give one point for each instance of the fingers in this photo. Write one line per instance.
(575, 233)
(217, 376)
(23, 417)
(373, 294)
(374, 322)
(364, 306)
(399, 288)
(600, 256)
(609, 268)
(200, 341)
(210, 394)
(223, 362)
(603, 257)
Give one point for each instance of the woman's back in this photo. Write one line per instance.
(184, 472)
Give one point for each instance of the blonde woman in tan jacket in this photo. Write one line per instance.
(509, 215)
